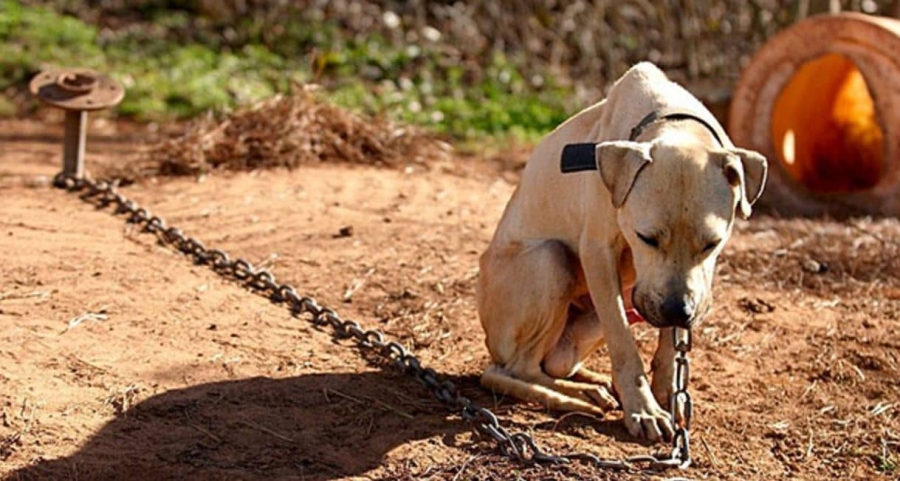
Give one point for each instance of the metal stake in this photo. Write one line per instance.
(77, 91)
(73, 143)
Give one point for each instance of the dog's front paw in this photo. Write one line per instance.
(650, 422)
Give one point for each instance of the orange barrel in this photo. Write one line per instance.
(821, 100)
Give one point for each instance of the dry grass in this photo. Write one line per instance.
(121, 399)
(852, 259)
(17, 426)
(288, 131)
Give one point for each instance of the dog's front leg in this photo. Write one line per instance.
(643, 415)
(663, 368)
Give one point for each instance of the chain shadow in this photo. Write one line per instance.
(585, 425)
(571, 424)
(311, 427)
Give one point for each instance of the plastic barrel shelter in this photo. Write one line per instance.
(821, 100)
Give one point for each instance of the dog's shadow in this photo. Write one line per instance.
(312, 427)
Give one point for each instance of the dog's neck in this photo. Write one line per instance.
(659, 116)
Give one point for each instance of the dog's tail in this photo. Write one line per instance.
(498, 380)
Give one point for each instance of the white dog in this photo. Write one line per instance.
(621, 212)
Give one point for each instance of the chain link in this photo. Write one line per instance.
(682, 405)
(516, 445)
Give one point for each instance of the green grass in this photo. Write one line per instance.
(173, 70)
(30, 38)
(886, 463)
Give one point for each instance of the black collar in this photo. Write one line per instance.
(583, 156)
(657, 115)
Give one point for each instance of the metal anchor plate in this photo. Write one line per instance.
(76, 89)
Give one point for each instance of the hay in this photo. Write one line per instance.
(288, 131)
(853, 260)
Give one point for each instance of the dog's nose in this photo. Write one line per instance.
(678, 311)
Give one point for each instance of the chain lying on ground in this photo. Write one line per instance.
(519, 446)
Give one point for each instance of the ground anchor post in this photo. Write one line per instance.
(77, 91)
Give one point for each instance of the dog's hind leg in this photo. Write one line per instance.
(558, 394)
(581, 338)
(524, 293)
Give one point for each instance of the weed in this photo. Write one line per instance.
(176, 66)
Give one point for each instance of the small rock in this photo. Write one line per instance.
(345, 231)
(756, 306)
(811, 265)
(431, 34)
(391, 20)
(37, 182)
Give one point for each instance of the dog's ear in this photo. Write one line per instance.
(746, 170)
(619, 163)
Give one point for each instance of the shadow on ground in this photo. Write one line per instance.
(312, 427)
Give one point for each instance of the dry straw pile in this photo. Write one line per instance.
(289, 131)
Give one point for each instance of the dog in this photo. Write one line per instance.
(620, 215)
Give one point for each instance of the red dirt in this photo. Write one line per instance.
(181, 374)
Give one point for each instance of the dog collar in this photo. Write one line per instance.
(583, 156)
(634, 317)
(657, 115)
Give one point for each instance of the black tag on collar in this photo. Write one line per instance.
(578, 158)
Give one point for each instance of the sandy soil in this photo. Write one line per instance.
(120, 359)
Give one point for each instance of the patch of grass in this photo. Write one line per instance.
(177, 64)
(164, 79)
(183, 81)
(33, 37)
(886, 462)
(7, 108)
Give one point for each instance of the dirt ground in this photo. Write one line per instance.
(120, 359)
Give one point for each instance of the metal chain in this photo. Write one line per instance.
(681, 398)
(516, 445)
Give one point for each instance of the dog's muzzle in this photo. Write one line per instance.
(678, 311)
(675, 310)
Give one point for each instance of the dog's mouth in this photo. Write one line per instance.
(634, 317)
(631, 313)
(627, 277)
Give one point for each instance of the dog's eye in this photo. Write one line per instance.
(710, 246)
(650, 241)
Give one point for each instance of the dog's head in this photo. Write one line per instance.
(676, 200)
